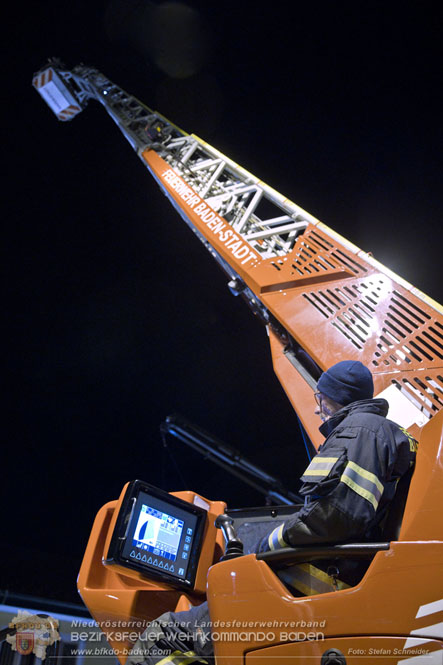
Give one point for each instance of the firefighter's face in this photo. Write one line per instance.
(325, 407)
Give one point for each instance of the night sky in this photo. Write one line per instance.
(117, 316)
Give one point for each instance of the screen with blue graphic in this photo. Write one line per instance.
(158, 532)
(162, 534)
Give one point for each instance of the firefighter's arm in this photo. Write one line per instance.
(321, 521)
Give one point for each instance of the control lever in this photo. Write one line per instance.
(234, 546)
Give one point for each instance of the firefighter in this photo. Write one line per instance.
(347, 487)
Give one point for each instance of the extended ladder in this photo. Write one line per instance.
(321, 297)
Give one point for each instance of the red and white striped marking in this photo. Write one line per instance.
(56, 94)
(68, 112)
(43, 78)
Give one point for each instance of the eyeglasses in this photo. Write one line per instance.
(318, 398)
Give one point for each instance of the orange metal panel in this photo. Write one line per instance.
(422, 518)
(386, 602)
(122, 601)
(372, 319)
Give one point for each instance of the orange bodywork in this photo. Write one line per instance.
(395, 610)
(121, 601)
(336, 302)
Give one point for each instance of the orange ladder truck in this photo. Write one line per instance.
(322, 299)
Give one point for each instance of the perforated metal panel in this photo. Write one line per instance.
(315, 255)
(339, 303)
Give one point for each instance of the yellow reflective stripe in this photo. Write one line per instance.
(366, 474)
(281, 542)
(324, 577)
(310, 580)
(271, 541)
(297, 579)
(181, 658)
(276, 537)
(304, 588)
(170, 658)
(366, 494)
(320, 458)
(320, 466)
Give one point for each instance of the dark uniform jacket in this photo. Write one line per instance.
(349, 483)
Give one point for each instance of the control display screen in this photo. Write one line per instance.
(162, 534)
(158, 532)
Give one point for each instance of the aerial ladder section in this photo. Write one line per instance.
(322, 299)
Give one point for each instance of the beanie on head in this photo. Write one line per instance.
(347, 381)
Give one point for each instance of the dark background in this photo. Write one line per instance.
(116, 314)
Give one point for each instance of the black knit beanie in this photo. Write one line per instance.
(346, 382)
